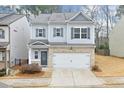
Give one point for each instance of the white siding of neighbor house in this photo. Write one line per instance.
(51, 38)
(6, 29)
(39, 26)
(116, 39)
(19, 39)
(80, 41)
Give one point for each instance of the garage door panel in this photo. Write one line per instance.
(71, 60)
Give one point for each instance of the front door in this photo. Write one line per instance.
(43, 58)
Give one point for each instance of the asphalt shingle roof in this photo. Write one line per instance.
(54, 17)
(6, 19)
(41, 18)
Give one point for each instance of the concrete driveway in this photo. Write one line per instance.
(74, 78)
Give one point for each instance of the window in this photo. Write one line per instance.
(84, 33)
(2, 34)
(80, 33)
(36, 54)
(2, 56)
(40, 32)
(76, 32)
(58, 32)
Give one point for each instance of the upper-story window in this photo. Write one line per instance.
(58, 32)
(80, 33)
(40, 32)
(2, 34)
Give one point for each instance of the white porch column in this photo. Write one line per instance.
(29, 56)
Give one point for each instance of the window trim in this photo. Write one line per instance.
(36, 54)
(73, 32)
(40, 31)
(2, 35)
(76, 33)
(3, 55)
(55, 29)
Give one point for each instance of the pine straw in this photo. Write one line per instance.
(42, 74)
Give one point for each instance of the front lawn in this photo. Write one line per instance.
(17, 74)
(110, 66)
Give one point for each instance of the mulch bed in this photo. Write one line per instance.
(42, 74)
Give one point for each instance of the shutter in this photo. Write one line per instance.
(72, 31)
(61, 32)
(88, 33)
(37, 32)
(3, 34)
(54, 32)
(44, 32)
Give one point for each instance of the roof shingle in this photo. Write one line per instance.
(6, 19)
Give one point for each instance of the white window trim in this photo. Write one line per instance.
(2, 56)
(42, 32)
(35, 54)
(2, 37)
(74, 33)
(60, 31)
(80, 32)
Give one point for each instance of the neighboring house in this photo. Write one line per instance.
(13, 38)
(62, 40)
(116, 39)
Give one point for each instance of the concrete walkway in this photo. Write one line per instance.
(60, 78)
(74, 78)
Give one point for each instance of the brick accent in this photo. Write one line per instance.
(2, 65)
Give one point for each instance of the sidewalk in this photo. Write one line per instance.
(18, 83)
(2, 85)
(113, 80)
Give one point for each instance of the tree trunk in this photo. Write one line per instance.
(97, 40)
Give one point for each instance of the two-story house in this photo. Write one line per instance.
(62, 40)
(14, 34)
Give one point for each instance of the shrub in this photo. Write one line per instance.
(104, 46)
(30, 68)
(96, 68)
(2, 72)
(101, 47)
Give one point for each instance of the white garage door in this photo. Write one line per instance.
(71, 60)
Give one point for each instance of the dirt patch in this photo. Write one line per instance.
(110, 66)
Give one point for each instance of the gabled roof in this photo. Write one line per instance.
(80, 17)
(6, 19)
(59, 17)
(69, 15)
(33, 41)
